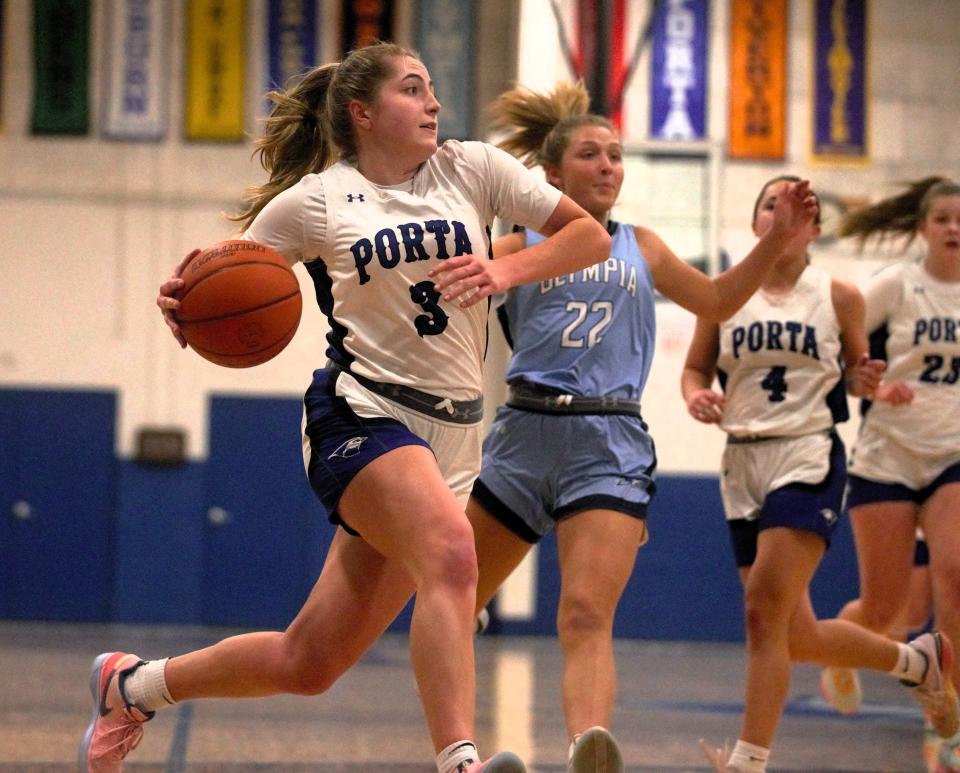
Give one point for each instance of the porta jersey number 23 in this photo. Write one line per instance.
(600, 312)
(434, 322)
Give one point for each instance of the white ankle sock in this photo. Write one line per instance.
(146, 688)
(911, 664)
(457, 756)
(748, 758)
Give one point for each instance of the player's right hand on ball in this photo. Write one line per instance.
(167, 299)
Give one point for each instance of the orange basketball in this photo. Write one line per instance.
(240, 304)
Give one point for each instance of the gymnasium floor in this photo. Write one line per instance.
(670, 696)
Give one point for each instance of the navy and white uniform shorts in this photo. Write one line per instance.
(864, 491)
(539, 468)
(795, 483)
(882, 469)
(346, 426)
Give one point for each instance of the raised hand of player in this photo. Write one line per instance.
(706, 406)
(897, 393)
(795, 207)
(167, 298)
(469, 279)
(863, 379)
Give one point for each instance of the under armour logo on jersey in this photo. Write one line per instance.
(352, 197)
(348, 449)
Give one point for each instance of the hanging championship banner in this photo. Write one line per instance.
(445, 41)
(678, 73)
(291, 39)
(758, 77)
(840, 80)
(216, 52)
(61, 48)
(365, 22)
(137, 69)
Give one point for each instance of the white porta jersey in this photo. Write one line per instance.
(913, 321)
(779, 362)
(369, 249)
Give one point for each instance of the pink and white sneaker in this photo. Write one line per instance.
(116, 726)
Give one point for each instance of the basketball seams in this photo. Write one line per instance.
(234, 313)
(241, 317)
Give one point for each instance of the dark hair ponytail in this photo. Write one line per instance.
(898, 215)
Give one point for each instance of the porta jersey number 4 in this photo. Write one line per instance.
(775, 382)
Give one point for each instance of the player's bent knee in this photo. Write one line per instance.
(452, 561)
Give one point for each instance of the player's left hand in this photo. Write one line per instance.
(468, 279)
(864, 377)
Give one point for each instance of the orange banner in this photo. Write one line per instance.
(758, 79)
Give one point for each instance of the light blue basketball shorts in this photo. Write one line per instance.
(539, 468)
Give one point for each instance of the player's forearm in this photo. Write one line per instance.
(578, 244)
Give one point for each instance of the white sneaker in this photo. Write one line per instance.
(936, 693)
(596, 751)
(840, 687)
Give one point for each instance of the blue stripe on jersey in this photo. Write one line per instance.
(878, 351)
(322, 285)
(837, 401)
(592, 332)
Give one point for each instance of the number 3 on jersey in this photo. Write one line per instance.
(580, 310)
(775, 383)
(434, 322)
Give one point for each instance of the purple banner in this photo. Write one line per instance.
(678, 83)
(291, 39)
(840, 78)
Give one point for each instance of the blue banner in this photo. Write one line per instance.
(137, 69)
(445, 41)
(840, 78)
(291, 39)
(678, 84)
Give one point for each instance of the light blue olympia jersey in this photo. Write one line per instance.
(589, 333)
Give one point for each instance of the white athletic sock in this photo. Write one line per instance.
(748, 758)
(456, 757)
(146, 688)
(911, 664)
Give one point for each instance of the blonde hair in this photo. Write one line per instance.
(309, 127)
(898, 215)
(539, 126)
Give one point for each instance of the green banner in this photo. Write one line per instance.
(61, 61)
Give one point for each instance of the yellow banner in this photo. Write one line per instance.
(758, 79)
(216, 53)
